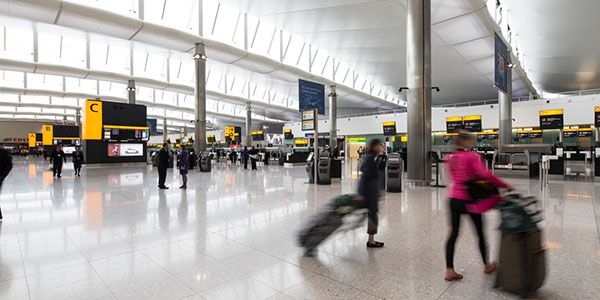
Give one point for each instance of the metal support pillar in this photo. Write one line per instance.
(131, 91)
(418, 74)
(505, 108)
(332, 117)
(248, 124)
(200, 98)
(165, 131)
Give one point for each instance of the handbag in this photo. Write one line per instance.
(484, 196)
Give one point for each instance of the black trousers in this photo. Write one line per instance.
(246, 163)
(457, 208)
(372, 223)
(57, 168)
(77, 167)
(162, 176)
(253, 164)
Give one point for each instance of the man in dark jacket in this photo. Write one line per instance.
(57, 157)
(164, 156)
(368, 190)
(5, 167)
(77, 160)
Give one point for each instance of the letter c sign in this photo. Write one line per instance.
(92, 107)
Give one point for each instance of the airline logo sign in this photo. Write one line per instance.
(32, 140)
(92, 120)
(48, 135)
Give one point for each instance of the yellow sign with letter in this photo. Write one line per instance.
(92, 120)
(32, 140)
(48, 135)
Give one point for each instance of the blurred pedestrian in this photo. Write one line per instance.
(5, 167)
(77, 160)
(57, 157)
(464, 166)
(245, 156)
(368, 190)
(163, 158)
(253, 157)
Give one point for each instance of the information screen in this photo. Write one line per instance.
(570, 133)
(454, 124)
(481, 136)
(287, 134)
(211, 139)
(122, 149)
(585, 133)
(132, 135)
(66, 142)
(522, 135)
(258, 136)
(535, 134)
(597, 115)
(389, 128)
(493, 136)
(472, 123)
(551, 119)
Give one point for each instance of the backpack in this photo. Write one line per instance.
(519, 213)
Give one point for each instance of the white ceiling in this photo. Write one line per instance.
(370, 35)
(558, 41)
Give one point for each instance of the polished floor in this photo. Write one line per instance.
(111, 234)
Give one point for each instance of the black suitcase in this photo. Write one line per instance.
(319, 227)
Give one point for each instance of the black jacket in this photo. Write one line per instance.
(58, 157)
(5, 164)
(163, 158)
(368, 186)
(78, 157)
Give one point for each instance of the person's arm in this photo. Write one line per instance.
(480, 171)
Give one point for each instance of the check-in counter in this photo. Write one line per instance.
(520, 160)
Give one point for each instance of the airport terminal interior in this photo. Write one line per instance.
(286, 149)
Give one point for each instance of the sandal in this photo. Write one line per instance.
(376, 245)
(492, 270)
(455, 277)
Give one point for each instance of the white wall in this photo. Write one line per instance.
(578, 110)
(18, 130)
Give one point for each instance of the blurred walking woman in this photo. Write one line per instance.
(182, 165)
(464, 166)
(368, 190)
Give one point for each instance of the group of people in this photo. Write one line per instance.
(463, 166)
(58, 156)
(251, 155)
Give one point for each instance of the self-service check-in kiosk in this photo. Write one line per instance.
(324, 169)
(394, 173)
(205, 162)
(310, 168)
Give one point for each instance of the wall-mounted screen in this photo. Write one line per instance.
(288, 135)
(453, 124)
(493, 136)
(121, 134)
(534, 134)
(125, 149)
(569, 133)
(584, 133)
(597, 116)
(211, 139)
(389, 128)
(472, 123)
(66, 142)
(522, 135)
(551, 119)
(258, 136)
(481, 136)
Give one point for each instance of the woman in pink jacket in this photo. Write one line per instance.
(464, 166)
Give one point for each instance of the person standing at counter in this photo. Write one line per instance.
(164, 156)
(182, 165)
(253, 157)
(77, 160)
(57, 157)
(245, 156)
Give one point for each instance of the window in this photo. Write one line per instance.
(18, 43)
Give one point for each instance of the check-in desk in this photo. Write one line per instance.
(520, 160)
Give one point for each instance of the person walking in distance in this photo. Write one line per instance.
(245, 156)
(77, 160)
(464, 166)
(164, 156)
(182, 165)
(57, 157)
(368, 190)
(253, 153)
(5, 167)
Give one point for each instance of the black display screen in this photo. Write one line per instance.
(389, 130)
(288, 135)
(585, 133)
(119, 134)
(258, 137)
(597, 115)
(522, 135)
(551, 122)
(211, 139)
(569, 133)
(472, 125)
(535, 135)
(66, 142)
(66, 131)
(480, 137)
(492, 136)
(454, 126)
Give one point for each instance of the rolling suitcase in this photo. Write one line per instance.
(329, 219)
(522, 262)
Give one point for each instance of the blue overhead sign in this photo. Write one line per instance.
(311, 95)
(151, 123)
(501, 60)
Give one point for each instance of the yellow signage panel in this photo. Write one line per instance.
(389, 123)
(450, 134)
(404, 138)
(454, 119)
(304, 141)
(569, 129)
(287, 131)
(356, 140)
(32, 140)
(597, 108)
(552, 112)
(536, 131)
(126, 127)
(92, 120)
(472, 118)
(585, 129)
(257, 132)
(47, 135)
(522, 131)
